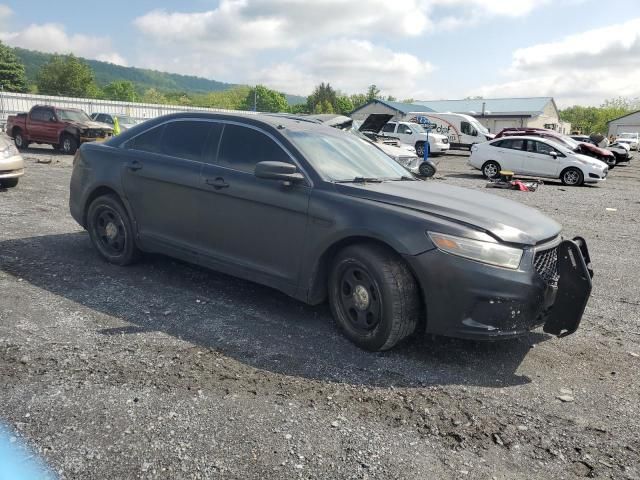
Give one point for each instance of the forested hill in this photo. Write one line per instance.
(142, 78)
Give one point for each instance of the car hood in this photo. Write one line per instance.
(375, 122)
(506, 220)
(91, 124)
(595, 149)
(394, 151)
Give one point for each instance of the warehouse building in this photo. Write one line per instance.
(626, 124)
(494, 113)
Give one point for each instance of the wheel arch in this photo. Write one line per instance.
(99, 192)
(318, 291)
(15, 130)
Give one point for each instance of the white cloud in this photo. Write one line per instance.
(350, 66)
(583, 68)
(52, 37)
(322, 40)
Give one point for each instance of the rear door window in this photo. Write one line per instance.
(39, 115)
(389, 128)
(513, 144)
(185, 139)
(241, 148)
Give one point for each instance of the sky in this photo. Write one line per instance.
(574, 50)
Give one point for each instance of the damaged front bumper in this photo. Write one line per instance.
(468, 299)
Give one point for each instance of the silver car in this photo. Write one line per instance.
(11, 163)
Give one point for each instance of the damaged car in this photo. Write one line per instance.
(320, 215)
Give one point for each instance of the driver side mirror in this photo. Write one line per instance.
(278, 171)
(553, 154)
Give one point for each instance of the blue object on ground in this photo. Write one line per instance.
(18, 462)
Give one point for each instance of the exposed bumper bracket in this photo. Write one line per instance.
(574, 287)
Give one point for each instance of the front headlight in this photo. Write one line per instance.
(485, 252)
(10, 151)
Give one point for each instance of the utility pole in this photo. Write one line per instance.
(255, 99)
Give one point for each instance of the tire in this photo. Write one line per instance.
(610, 163)
(426, 170)
(491, 169)
(20, 141)
(572, 177)
(373, 296)
(9, 182)
(420, 149)
(69, 144)
(111, 230)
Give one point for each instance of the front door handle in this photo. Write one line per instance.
(217, 183)
(134, 165)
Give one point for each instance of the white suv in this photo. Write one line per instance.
(413, 134)
(536, 156)
(631, 139)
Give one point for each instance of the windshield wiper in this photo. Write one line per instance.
(361, 180)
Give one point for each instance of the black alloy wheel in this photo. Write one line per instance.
(111, 230)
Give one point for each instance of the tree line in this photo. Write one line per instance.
(68, 75)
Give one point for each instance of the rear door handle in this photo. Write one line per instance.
(134, 165)
(217, 183)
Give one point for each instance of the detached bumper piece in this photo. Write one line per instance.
(574, 288)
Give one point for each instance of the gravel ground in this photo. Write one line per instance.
(167, 370)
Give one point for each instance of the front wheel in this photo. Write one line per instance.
(491, 169)
(111, 230)
(374, 297)
(572, 177)
(69, 144)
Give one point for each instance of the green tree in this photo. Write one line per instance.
(373, 92)
(264, 99)
(594, 119)
(12, 76)
(152, 95)
(231, 99)
(344, 104)
(300, 108)
(67, 75)
(122, 90)
(358, 100)
(391, 98)
(323, 94)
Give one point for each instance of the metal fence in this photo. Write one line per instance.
(12, 103)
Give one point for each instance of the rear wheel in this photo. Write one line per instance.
(420, 149)
(9, 182)
(19, 140)
(491, 169)
(111, 230)
(373, 296)
(572, 177)
(426, 169)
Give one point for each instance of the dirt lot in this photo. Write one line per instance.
(166, 370)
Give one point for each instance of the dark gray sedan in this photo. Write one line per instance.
(318, 213)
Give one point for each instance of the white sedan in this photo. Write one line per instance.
(536, 156)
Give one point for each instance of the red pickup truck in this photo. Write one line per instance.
(63, 128)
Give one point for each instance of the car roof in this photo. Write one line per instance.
(522, 137)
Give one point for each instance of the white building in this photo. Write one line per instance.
(627, 123)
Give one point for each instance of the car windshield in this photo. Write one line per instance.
(344, 157)
(127, 120)
(479, 127)
(568, 141)
(73, 115)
